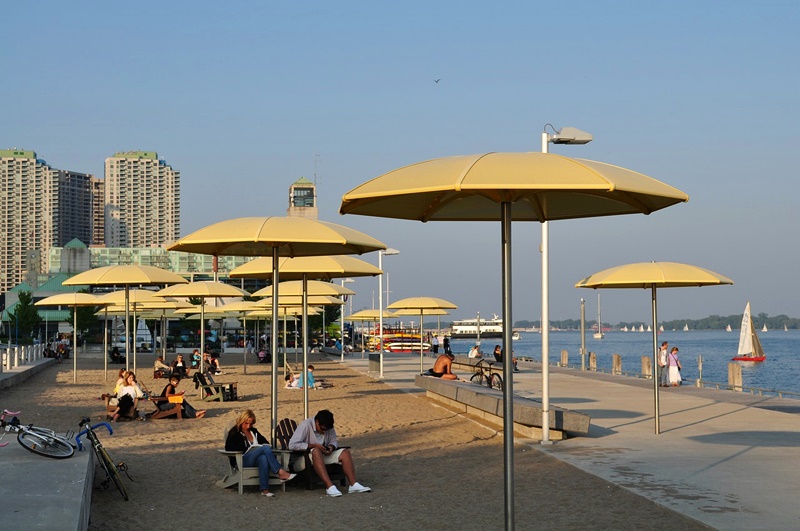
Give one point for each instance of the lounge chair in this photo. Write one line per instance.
(211, 390)
(283, 435)
(175, 411)
(111, 406)
(240, 475)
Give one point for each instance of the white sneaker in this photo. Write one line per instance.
(333, 492)
(358, 487)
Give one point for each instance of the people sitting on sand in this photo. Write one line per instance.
(498, 355)
(210, 365)
(171, 389)
(443, 367)
(291, 381)
(127, 395)
(264, 357)
(244, 437)
(675, 367)
(475, 352)
(317, 437)
(161, 368)
(116, 357)
(195, 359)
(180, 366)
(312, 382)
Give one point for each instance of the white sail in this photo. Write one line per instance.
(649, 329)
(641, 328)
(685, 327)
(661, 328)
(728, 328)
(764, 328)
(785, 329)
(745, 334)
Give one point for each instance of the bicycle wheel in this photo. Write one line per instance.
(111, 471)
(477, 378)
(45, 444)
(496, 382)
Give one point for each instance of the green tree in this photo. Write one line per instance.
(87, 320)
(25, 318)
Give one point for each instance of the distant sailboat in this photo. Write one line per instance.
(785, 329)
(641, 328)
(624, 328)
(661, 328)
(728, 328)
(649, 329)
(764, 328)
(685, 327)
(750, 348)
(599, 333)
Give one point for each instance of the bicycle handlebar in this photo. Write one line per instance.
(92, 428)
(7, 412)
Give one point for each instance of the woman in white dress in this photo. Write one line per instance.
(674, 365)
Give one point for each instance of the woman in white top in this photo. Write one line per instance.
(127, 395)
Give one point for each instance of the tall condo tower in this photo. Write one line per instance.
(40, 207)
(142, 196)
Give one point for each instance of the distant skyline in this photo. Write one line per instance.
(247, 97)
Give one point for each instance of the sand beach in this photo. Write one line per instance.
(429, 467)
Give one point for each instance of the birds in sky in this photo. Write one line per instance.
(437, 80)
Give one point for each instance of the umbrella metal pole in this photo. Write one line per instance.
(135, 331)
(546, 333)
(420, 341)
(105, 343)
(305, 345)
(274, 347)
(127, 327)
(508, 368)
(75, 346)
(583, 335)
(654, 370)
(244, 345)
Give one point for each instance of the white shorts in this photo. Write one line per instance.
(299, 463)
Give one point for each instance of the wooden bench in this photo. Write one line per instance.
(487, 404)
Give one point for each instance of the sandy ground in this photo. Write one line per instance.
(429, 468)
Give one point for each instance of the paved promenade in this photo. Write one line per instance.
(728, 460)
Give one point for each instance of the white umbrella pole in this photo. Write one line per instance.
(341, 331)
(135, 331)
(508, 369)
(127, 327)
(545, 334)
(274, 346)
(420, 342)
(654, 370)
(105, 343)
(244, 345)
(202, 333)
(75, 344)
(305, 345)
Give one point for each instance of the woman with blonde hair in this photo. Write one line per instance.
(244, 437)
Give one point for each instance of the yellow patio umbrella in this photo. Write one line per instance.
(73, 299)
(203, 290)
(505, 187)
(294, 288)
(276, 237)
(127, 276)
(433, 311)
(420, 305)
(653, 275)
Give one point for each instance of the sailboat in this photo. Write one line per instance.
(599, 333)
(785, 329)
(728, 328)
(661, 328)
(641, 328)
(624, 328)
(750, 348)
(685, 327)
(764, 328)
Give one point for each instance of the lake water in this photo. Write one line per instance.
(780, 370)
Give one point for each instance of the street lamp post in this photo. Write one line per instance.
(344, 281)
(567, 135)
(388, 252)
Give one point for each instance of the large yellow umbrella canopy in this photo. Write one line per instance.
(505, 187)
(294, 288)
(372, 315)
(276, 237)
(73, 299)
(420, 305)
(653, 275)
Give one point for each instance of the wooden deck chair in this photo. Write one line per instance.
(111, 406)
(175, 411)
(208, 393)
(240, 475)
(283, 435)
(229, 390)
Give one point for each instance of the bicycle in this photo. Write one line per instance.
(484, 374)
(41, 441)
(111, 470)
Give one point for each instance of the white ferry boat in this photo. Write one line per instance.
(469, 328)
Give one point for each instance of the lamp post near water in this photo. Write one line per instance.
(388, 252)
(567, 135)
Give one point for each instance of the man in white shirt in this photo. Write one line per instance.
(662, 364)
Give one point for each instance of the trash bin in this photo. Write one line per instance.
(374, 362)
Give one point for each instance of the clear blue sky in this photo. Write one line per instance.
(246, 97)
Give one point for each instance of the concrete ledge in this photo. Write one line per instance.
(23, 372)
(487, 404)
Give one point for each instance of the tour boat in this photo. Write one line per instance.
(477, 328)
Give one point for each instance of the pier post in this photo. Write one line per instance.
(564, 358)
(647, 366)
(616, 364)
(592, 361)
(735, 376)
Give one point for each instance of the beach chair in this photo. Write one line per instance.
(283, 434)
(208, 393)
(111, 406)
(175, 411)
(229, 391)
(240, 476)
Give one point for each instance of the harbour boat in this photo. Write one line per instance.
(750, 348)
(599, 333)
(477, 328)
(764, 328)
(728, 328)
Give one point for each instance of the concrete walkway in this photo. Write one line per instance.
(726, 459)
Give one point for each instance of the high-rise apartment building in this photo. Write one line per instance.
(98, 212)
(142, 201)
(40, 207)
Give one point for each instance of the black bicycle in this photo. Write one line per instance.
(485, 375)
(41, 441)
(111, 470)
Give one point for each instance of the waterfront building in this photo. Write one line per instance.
(303, 199)
(142, 200)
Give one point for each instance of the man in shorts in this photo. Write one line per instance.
(317, 437)
(443, 367)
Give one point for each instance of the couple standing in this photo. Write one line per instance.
(669, 366)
